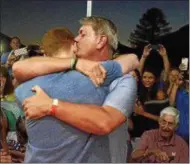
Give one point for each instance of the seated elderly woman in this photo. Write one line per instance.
(162, 145)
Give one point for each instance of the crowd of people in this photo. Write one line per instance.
(71, 101)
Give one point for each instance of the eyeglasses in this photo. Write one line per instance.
(169, 124)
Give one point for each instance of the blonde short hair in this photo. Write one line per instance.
(56, 39)
(103, 26)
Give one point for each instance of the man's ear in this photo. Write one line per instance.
(102, 41)
(177, 125)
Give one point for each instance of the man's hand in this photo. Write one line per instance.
(94, 70)
(38, 105)
(160, 155)
(5, 157)
(146, 51)
(162, 50)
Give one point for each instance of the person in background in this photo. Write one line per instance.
(13, 149)
(179, 97)
(8, 99)
(9, 109)
(8, 58)
(173, 79)
(162, 52)
(161, 95)
(6, 88)
(147, 107)
(161, 92)
(163, 144)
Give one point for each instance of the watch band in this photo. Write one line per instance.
(54, 107)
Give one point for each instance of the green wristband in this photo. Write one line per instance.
(74, 62)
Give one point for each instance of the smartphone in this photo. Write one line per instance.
(21, 51)
(155, 46)
(184, 62)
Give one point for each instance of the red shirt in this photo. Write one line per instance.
(176, 147)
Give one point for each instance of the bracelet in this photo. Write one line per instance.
(74, 62)
(54, 107)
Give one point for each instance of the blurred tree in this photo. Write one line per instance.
(152, 25)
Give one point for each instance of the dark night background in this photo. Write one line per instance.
(29, 19)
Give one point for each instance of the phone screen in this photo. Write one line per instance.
(184, 61)
(155, 46)
(21, 51)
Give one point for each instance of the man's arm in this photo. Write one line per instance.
(37, 66)
(99, 120)
(139, 155)
(128, 62)
(142, 150)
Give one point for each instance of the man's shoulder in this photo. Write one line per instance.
(179, 140)
(126, 77)
(125, 80)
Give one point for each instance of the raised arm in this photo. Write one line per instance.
(146, 53)
(37, 66)
(173, 93)
(163, 53)
(98, 120)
